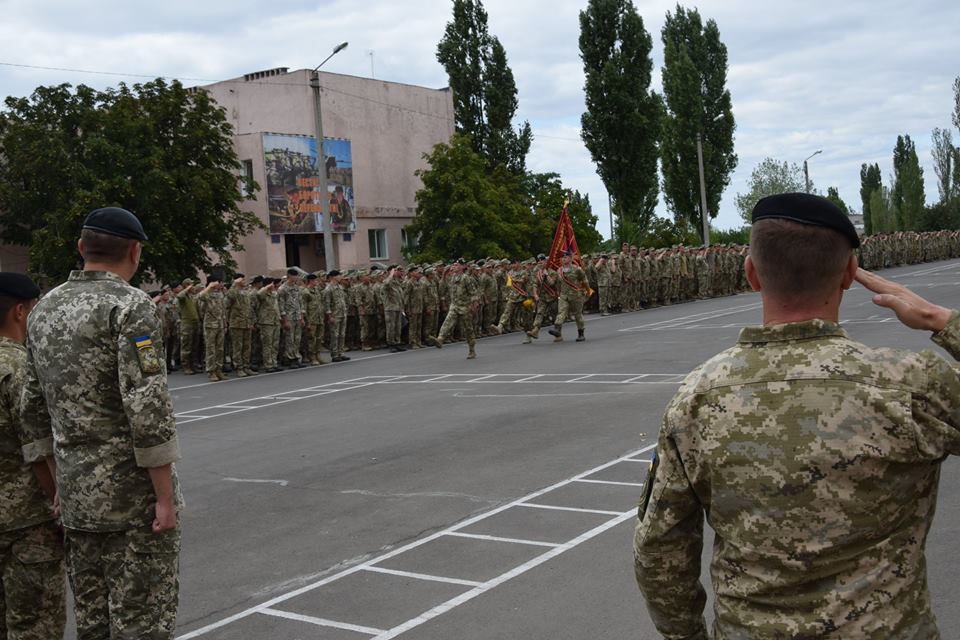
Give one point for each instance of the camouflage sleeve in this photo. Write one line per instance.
(667, 547)
(949, 336)
(36, 426)
(143, 386)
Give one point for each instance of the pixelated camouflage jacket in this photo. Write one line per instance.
(335, 300)
(291, 306)
(96, 383)
(816, 460)
(22, 501)
(464, 291)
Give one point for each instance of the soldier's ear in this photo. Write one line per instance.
(751, 272)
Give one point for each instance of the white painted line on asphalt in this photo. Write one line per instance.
(282, 483)
(509, 575)
(446, 375)
(553, 507)
(489, 375)
(578, 379)
(321, 622)
(539, 375)
(696, 317)
(480, 536)
(622, 484)
(430, 538)
(635, 378)
(424, 576)
(638, 460)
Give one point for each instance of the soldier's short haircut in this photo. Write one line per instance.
(7, 303)
(798, 260)
(103, 247)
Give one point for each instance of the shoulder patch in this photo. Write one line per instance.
(147, 355)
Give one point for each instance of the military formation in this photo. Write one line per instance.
(265, 324)
(885, 250)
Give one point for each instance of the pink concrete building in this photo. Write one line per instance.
(389, 126)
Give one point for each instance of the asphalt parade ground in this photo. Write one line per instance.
(421, 495)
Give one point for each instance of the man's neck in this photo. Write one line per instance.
(14, 333)
(115, 269)
(776, 312)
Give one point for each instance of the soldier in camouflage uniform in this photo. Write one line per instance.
(546, 291)
(239, 308)
(573, 291)
(211, 300)
(431, 304)
(268, 320)
(189, 326)
(96, 386)
(815, 458)
(32, 588)
(413, 306)
(464, 299)
(291, 318)
(335, 305)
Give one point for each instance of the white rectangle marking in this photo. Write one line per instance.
(321, 622)
(480, 536)
(423, 576)
(622, 484)
(554, 507)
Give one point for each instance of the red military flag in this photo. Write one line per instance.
(564, 241)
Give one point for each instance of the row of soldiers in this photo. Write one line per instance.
(884, 250)
(270, 323)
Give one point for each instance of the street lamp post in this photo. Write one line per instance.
(329, 258)
(806, 172)
(703, 187)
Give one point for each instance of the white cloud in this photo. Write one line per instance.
(847, 77)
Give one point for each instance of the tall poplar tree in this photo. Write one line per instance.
(484, 90)
(907, 193)
(870, 182)
(621, 125)
(698, 102)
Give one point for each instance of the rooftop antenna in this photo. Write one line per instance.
(370, 53)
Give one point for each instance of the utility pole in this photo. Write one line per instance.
(703, 193)
(329, 258)
(806, 171)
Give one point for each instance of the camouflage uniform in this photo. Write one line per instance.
(214, 328)
(817, 461)
(413, 299)
(431, 306)
(573, 285)
(239, 308)
(392, 292)
(32, 588)
(268, 320)
(291, 310)
(189, 328)
(96, 385)
(335, 303)
(464, 293)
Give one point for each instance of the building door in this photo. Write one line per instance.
(292, 250)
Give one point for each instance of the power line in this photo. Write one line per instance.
(100, 73)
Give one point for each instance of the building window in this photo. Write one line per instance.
(408, 240)
(248, 178)
(378, 244)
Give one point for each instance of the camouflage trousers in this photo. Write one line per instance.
(462, 316)
(489, 315)
(125, 583)
(570, 308)
(213, 340)
(431, 322)
(506, 318)
(604, 293)
(32, 588)
(546, 312)
(270, 343)
(392, 320)
(338, 331)
(189, 344)
(242, 347)
(313, 337)
(291, 341)
(368, 330)
(416, 328)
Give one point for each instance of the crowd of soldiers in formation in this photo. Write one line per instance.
(268, 324)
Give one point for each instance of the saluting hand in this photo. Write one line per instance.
(912, 310)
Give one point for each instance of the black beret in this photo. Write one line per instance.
(212, 278)
(115, 222)
(332, 273)
(807, 208)
(17, 285)
(256, 279)
(311, 276)
(293, 271)
(238, 275)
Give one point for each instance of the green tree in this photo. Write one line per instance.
(155, 148)
(547, 195)
(870, 181)
(484, 90)
(621, 125)
(907, 192)
(466, 210)
(945, 156)
(770, 177)
(833, 195)
(882, 211)
(698, 103)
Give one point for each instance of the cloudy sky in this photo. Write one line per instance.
(845, 77)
